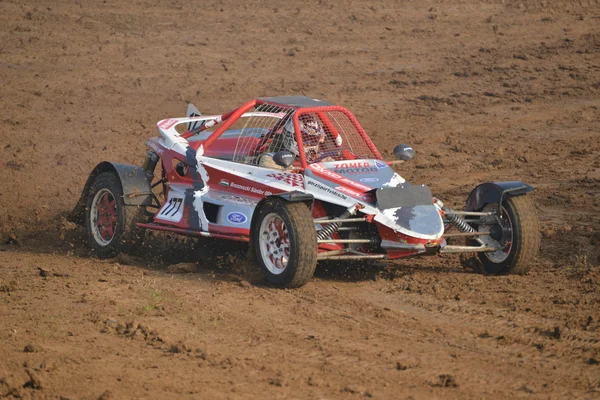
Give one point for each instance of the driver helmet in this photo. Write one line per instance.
(313, 135)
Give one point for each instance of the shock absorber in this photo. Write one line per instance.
(458, 221)
(329, 229)
(333, 227)
(454, 219)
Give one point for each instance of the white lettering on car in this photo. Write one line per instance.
(250, 189)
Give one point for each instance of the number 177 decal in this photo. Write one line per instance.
(172, 210)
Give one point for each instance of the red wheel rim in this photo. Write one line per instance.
(104, 216)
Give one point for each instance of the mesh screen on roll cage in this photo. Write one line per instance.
(342, 139)
(268, 123)
(333, 138)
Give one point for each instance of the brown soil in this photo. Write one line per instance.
(483, 90)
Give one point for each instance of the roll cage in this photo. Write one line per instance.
(336, 120)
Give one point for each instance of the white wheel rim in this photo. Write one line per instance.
(103, 217)
(274, 243)
(499, 256)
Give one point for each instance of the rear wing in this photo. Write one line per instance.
(192, 111)
(178, 142)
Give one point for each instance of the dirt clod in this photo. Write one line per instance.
(447, 381)
(179, 348)
(245, 284)
(275, 381)
(34, 381)
(107, 395)
(182, 268)
(526, 389)
(401, 367)
(12, 239)
(31, 348)
(44, 272)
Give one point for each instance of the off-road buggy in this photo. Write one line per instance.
(301, 180)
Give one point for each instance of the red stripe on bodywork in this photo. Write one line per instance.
(227, 230)
(386, 233)
(323, 172)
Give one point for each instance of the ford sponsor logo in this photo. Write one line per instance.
(369, 179)
(237, 218)
(380, 164)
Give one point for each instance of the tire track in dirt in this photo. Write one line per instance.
(327, 328)
(457, 330)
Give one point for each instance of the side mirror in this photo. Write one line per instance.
(283, 158)
(404, 152)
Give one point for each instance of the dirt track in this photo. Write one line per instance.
(490, 90)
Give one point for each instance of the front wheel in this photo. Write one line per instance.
(285, 243)
(517, 231)
(109, 223)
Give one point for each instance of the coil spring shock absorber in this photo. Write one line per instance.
(456, 220)
(329, 230)
(333, 227)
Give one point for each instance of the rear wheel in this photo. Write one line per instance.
(110, 224)
(285, 243)
(517, 231)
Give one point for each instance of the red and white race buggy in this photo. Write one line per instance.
(301, 181)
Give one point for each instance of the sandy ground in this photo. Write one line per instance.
(483, 90)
